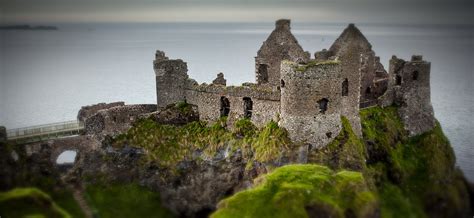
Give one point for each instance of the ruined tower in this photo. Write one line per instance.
(311, 101)
(410, 89)
(171, 77)
(280, 45)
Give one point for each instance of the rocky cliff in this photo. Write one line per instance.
(216, 170)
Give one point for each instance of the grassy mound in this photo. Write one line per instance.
(415, 176)
(167, 145)
(302, 190)
(130, 200)
(29, 202)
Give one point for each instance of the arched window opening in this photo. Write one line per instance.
(66, 157)
(248, 107)
(323, 105)
(225, 107)
(398, 80)
(282, 83)
(415, 75)
(345, 87)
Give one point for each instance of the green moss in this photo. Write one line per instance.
(125, 200)
(270, 143)
(414, 175)
(183, 107)
(167, 145)
(296, 190)
(346, 151)
(245, 128)
(27, 202)
(302, 68)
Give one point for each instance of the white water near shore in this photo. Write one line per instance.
(46, 76)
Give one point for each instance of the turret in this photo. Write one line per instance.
(311, 101)
(171, 77)
(410, 84)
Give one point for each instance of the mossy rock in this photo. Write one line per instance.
(346, 151)
(29, 202)
(125, 200)
(414, 176)
(300, 191)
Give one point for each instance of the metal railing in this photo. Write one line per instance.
(44, 132)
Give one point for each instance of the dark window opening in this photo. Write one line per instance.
(398, 79)
(368, 91)
(415, 75)
(262, 73)
(329, 135)
(114, 118)
(323, 105)
(225, 107)
(345, 88)
(248, 107)
(282, 83)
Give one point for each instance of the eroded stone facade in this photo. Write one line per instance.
(311, 102)
(115, 120)
(306, 96)
(280, 45)
(409, 88)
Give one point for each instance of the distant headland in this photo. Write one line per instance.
(27, 27)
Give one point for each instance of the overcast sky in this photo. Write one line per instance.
(360, 11)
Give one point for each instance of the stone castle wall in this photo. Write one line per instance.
(280, 45)
(292, 87)
(311, 102)
(116, 120)
(88, 111)
(412, 94)
(265, 101)
(171, 78)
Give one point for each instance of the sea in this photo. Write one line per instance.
(46, 76)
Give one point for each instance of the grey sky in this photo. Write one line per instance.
(373, 11)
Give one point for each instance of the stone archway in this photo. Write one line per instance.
(80, 144)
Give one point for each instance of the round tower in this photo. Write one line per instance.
(311, 101)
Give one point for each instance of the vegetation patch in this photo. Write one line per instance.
(302, 68)
(302, 191)
(125, 200)
(415, 176)
(29, 202)
(167, 145)
(346, 151)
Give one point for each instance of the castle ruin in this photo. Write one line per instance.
(307, 96)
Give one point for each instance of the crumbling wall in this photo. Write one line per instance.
(171, 78)
(280, 45)
(311, 102)
(265, 102)
(410, 90)
(87, 111)
(115, 120)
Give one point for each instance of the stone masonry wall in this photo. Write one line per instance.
(280, 45)
(265, 102)
(115, 120)
(301, 96)
(171, 77)
(412, 94)
(348, 48)
(87, 111)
